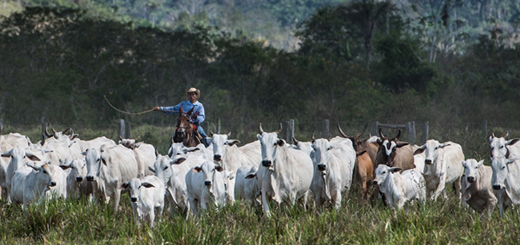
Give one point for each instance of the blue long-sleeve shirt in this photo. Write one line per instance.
(186, 106)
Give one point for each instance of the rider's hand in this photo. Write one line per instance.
(157, 108)
(194, 115)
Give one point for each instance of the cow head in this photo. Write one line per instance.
(269, 143)
(499, 145)
(215, 180)
(471, 167)
(500, 166)
(93, 160)
(220, 142)
(382, 173)
(431, 150)
(45, 174)
(387, 147)
(133, 186)
(321, 155)
(77, 167)
(356, 143)
(162, 168)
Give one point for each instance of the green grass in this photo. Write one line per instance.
(78, 222)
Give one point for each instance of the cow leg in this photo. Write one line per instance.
(457, 186)
(151, 217)
(265, 205)
(117, 198)
(231, 191)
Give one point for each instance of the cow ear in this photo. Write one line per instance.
(464, 164)
(419, 150)
(444, 145)
(395, 169)
(512, 142)
(280, 142)
(250, 176)
(32, 157)
(402, 144)
(178, 160)
(7, 154)
(151, 169)
(219, 168)
(104, 161)
(147, 185)
(232, 142)
(64, 167)
(197, 169)
(125, 186)
(480, 163)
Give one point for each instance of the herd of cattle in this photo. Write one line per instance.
(262, 172)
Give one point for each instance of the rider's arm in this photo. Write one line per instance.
(201, 115)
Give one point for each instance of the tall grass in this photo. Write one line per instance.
(357, 222)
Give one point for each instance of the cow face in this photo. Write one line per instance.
(219, 142)
(93, 161)
(269, 143)
(215, 181)
(499, 146)
(382, 173)
(45, 174)
(500, 166)
(162, 169)
(78, 168)
(471, 167)
(321, 154)
(431, 150)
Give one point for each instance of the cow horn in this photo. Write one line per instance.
(398, 134)
(138, 138)
(66, 131)
(46, 133)
(229, 134)
(381, 134)
(173, 141)
(362, 132)
(341, 132)
(506, 135)
(296, 142)
(54, 133)
(280, 129)
(260, 129)
(312, 137)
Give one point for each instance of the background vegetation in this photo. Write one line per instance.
(452, 63)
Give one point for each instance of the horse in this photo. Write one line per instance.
(185, 131)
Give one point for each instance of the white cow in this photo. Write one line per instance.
(246, 187)
(77, 185)
(31, 183)
(400, 187)
(506, 173)
(287, 172)
(173, 172)
(146, 198)
(502, 147)
(443, 161)
(144, 153)
(333, 170)
(231, 157)
(206, 184)
(108, 168)
(17, 155)
(476, 186)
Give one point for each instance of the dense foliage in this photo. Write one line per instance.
(359, 61)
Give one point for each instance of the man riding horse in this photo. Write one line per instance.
(195, 113)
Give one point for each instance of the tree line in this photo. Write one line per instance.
(58, 63)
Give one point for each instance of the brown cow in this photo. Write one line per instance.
(394, 153)
(364, 169)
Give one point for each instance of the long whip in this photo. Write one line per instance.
(131, 113)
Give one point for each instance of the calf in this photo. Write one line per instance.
(77, 185)
(146, 198)
(246, 187)
(206, 184)
(476, 189)
(399, 188)
(17, 155)
(506, 173)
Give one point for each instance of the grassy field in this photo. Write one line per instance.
(358, 222)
